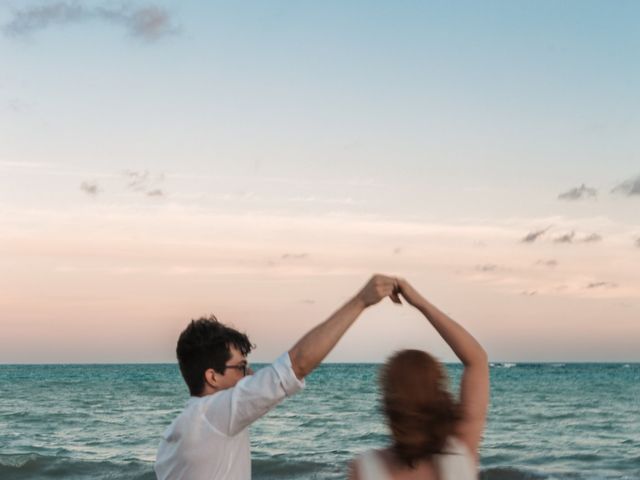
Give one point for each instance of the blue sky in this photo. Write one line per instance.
(424, 138)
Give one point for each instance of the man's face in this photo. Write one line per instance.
(234, 371)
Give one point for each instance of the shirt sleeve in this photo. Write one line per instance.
(232, 410)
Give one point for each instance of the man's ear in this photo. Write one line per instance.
(211, 378)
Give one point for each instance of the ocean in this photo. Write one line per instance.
(546, 421)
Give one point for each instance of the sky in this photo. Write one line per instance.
(162, 161)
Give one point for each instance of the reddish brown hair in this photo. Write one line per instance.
(420, 410)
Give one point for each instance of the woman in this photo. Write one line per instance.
(434, 437)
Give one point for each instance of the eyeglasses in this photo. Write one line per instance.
(243, 367)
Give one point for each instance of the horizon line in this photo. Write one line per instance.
(491, 363)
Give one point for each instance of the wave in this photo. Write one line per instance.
(503, 365)
(541, 416)
(33, 466)
(277, 468)
(508, 473)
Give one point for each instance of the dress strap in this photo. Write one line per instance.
(456, 462)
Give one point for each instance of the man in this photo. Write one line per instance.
(210, 438)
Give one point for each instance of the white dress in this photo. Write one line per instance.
(456, 464)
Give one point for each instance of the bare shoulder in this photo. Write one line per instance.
(353, 472)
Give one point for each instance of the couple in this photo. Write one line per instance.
(433, 436)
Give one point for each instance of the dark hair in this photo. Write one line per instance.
(420, 411)
(205, 344)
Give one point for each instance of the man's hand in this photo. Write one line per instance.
(377, 288)
(313, 347)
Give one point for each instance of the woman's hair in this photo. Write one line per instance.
(420, 411)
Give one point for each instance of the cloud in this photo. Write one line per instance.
(487, 267)
(314, 199)
(594, 237)
(26, 165)
(566, 238)
(17, 106)
(140, 181)
(571, 236)
(602, 285)
(155, 193)
(137, 180)
(629, 187)
(638, 242)
(90, 188)
(308, 301)
(578, 193)
(148, 23)
(533, 236)
(528, 293)
(294, 256)
(397, 250)
(547, 263)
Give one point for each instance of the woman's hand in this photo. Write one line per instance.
(409, 293)
(377, 288)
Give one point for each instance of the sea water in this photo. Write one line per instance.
(546, 421)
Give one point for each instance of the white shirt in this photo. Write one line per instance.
(209, 440)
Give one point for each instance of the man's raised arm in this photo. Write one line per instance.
(313, 347)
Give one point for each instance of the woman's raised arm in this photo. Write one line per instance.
(474, 384)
